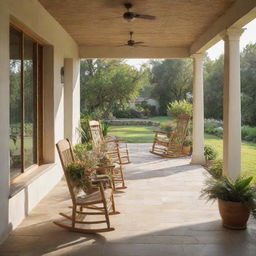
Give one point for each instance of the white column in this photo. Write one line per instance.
(232, 103)
(198, 110)
(71, 99)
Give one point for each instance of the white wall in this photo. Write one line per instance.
(35, 19)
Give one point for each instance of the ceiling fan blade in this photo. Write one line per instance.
(142, 16)
(139, 42)
(140, 45)
(122, 45)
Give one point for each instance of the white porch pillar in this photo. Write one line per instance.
(198, 111)
(71, 99)
(232, 103)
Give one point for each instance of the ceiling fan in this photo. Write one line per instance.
(128, 15)
(133, 43)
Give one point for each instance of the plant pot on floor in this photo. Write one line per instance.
(186, 150)
(234, 214)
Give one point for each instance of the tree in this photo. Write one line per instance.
(106, 83)
(248, 84)
(213, 87)
(172, 80)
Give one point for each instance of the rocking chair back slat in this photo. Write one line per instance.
(95, 130)
(66, 157)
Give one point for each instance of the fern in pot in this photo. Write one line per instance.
(236, 199)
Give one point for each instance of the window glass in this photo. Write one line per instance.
(30, 149)
(15, 103)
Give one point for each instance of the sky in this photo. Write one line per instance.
(249, 36)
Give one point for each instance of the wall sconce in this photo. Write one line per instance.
(62, 75)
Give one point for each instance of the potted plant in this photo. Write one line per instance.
(210, 154)
(236, 199)
(81, 174)
(187, 144)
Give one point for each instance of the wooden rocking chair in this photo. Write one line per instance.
(116, 149)
(170, 145)
(99, 202)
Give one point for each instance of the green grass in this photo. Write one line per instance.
(144, 134)
(133, 134)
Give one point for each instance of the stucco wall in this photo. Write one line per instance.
(31, 15)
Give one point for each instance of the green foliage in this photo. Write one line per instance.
(172, 80)
(81, 150)
(187, 142)
(249, 133)
(146, 109)
(167, 127)
(104, 127)
(214, 82)
(80, 175)
(84, 129)
(213, 87)
(214, 127)
(210, 152)
(177, 108)
(216, 168)
(106, 83)
(248, 83)
(226, 189)
(127, 113)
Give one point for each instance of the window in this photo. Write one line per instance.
(25, 102)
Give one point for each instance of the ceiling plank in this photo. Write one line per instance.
(240, 13)
(133, 52)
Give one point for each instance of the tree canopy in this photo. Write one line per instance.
(110, 84)
(106, 83)
(172, 80)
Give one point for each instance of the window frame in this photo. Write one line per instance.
(37, 102)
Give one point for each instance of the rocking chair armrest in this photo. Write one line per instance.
(111, 141)
(102, 182)
(112, 152)
(98, 168)
(101, 179)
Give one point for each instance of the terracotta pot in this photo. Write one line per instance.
(234, 215)
(186, 150)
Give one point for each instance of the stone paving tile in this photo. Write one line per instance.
(161, 214)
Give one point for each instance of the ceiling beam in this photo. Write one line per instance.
(238, 15)
(133, 52)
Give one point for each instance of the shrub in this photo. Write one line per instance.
(216, 168)
(127, 113)
(146, 109)
(249, 133)
(84, 130)
(174, 109)
(210, 152)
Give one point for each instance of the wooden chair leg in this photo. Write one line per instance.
(73, 216)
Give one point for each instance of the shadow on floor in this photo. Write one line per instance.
(198, 239)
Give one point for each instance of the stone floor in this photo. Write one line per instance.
(161, 214)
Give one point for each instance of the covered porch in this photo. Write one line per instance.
(161, 211)
(161, 214)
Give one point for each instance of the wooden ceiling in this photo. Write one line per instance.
(178, 23)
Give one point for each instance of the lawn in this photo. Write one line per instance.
(144, 134)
